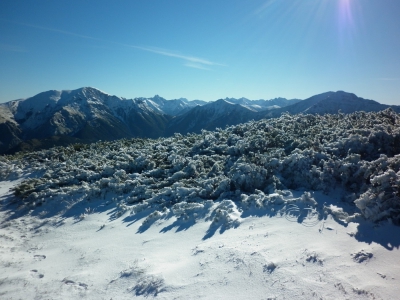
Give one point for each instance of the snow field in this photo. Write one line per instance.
(99, 257)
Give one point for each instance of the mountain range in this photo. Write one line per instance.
(87, 114)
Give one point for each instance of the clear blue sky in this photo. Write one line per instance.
(201, 49)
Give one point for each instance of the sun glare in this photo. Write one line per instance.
(348, 13)
(345, 14)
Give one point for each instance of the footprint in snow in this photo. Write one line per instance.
(36, 274)
(79, 285)
(40, 257)
(362, 256)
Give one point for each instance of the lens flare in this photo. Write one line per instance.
(348, 16)
(345, 14)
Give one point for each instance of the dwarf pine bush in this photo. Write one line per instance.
(358, 152)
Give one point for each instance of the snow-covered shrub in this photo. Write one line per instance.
(247, 177)
(152, 217)
(226, 214)
(9, 171)
(190, 210)
(251, 163)
(308, 199)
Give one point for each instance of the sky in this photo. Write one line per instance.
(258, 49)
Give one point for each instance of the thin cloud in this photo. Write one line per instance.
(196, 66)
(172, 54)
(190, 61)
(12, 48)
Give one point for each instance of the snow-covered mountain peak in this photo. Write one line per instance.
(342, 95)
(223, 101)
(62, 109)
(333, 102)
(220, 106)
(172, 107)
(261, 104)
(91, 94)
(42, 102)
(158, 98)
(183, 100)
(345, 96)
(89, 91)
(239, 100)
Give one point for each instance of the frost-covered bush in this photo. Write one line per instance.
(249, 163)
(226, 214)
(247, 177)
(381, 198)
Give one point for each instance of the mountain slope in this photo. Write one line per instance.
(173, 107)
(232, 111)
(330, 103)
(10, 132)
(261, 105)
(209, 117)
(85, 113)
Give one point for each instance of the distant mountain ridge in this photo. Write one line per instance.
(88, 114)
(210, 116)
(170, 107)
(261, 105)
(332, 103)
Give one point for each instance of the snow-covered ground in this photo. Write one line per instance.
(275, 209)
(266, 257)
